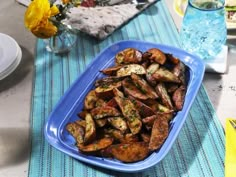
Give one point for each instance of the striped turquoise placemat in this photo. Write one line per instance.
(199, 148)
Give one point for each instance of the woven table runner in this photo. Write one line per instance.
(199, 148)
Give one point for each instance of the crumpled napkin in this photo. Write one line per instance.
(230, 149)
(101, 21)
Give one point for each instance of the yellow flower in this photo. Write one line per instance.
(37, 18)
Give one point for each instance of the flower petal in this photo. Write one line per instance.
(46, 31)
(54, 10)
(36, 12)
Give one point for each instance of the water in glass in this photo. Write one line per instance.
(203, 30)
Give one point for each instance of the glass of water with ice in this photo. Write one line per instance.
(203, 30)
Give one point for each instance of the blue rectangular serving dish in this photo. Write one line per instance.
(73, 100)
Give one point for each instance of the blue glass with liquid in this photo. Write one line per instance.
(203, 30)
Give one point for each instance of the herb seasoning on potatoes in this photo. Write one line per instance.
(126, 116)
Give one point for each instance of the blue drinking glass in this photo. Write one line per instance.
(203, 30)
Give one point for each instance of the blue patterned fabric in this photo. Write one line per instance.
(199, 148)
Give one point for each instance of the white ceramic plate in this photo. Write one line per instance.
(10, 55)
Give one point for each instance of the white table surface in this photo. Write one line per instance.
(16, 90)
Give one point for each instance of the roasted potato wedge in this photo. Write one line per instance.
(130, 113)
(145, 64)
(116, 134)
(90, 100)
(106, 91)
(104, 111)
(166, 115)
(82, 114)
(117, 92)
(171, 87)
(157, 56)
(143, 109)
(179, 71)
(90, 129)
(160, 131)
(165, 75)
(106, 152)
(145, 137)
(111, 71)
(81, 122)
(132, 152)
(129, 138)
(106, 81)
(128, 56)
(119, 123)
(132, 90)
(150, 70)
(162, 92)
(96, 145)
(172, 59)
(149, 120)
(178, 97)
(126, 70)
(112, 103)
(101, 122)
(157, 106)
(143, 86)
(77, 131)
(146, 56)
(100, 102)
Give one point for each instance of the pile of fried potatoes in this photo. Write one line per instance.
(126, 116)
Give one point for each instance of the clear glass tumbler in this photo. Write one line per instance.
(203, 30)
